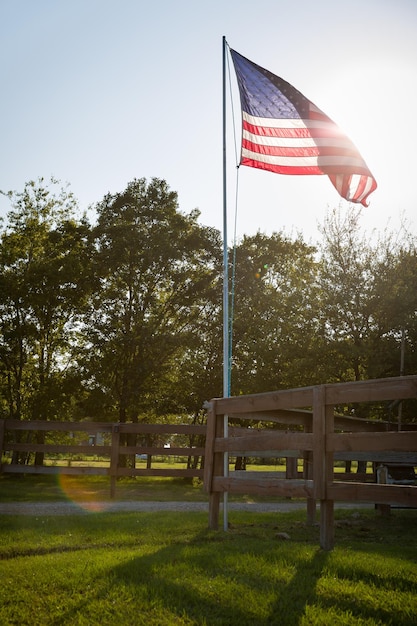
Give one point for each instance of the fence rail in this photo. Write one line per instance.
(325, 438)
(117, 447)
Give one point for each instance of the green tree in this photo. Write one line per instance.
(158, 273)
(44, 282)
(368, 296)
(275, 314)
(347, 278)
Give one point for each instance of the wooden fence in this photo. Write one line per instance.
(300, 425)
(305, 426)
(101, 440)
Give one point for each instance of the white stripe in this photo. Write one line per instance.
(315, 161)
(297, 122)
(354, 184)
(298, 142)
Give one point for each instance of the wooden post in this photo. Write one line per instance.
(308, 475)
(114, 458)
(291, 470)
(323, 424)
(211, 466)
(327, 525)
(382, 479)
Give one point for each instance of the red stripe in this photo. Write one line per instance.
(361, 187)
(281, 169)
(288, 151)
(298, 133)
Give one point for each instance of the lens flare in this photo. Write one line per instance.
(78, 491)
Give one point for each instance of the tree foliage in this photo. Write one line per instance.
(122, 319)
(158, 277)
(44, 269)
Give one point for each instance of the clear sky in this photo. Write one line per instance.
(98, 92)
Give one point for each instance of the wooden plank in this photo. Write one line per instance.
(219, 468)
(319, 421)
(105, 427)
(55, 469)
(273, 487)
(283, 399)
(209, 448)
(327, 503)
(392, 441)
(398, 388)
(278, 440)
(372, 492)
(44, 425)
(387, 456)
(308, 475)
(50, 448)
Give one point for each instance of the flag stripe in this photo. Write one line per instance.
(283, 132)
(287, 159)
(291, 140)
(293, 123)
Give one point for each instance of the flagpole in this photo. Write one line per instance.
(226, 347)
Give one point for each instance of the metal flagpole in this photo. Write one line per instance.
(226, 348)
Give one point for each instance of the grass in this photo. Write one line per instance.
(168, 569)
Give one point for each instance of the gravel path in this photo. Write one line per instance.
(71, 508)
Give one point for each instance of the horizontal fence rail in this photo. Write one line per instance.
(111, 443)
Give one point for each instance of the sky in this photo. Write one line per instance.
(99, 92)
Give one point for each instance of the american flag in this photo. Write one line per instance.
(285, 133)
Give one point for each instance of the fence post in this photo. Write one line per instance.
(323, 424)
(308, 475)
(114, 458)
(212, 463)
(382, 479)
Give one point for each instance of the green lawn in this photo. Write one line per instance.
(168, 569)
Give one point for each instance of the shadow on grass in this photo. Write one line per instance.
(300, 591)
(205, 580)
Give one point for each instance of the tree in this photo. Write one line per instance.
(347, 278)
(275, 311)
(367, 297)
(44, 281)
(158, 277)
